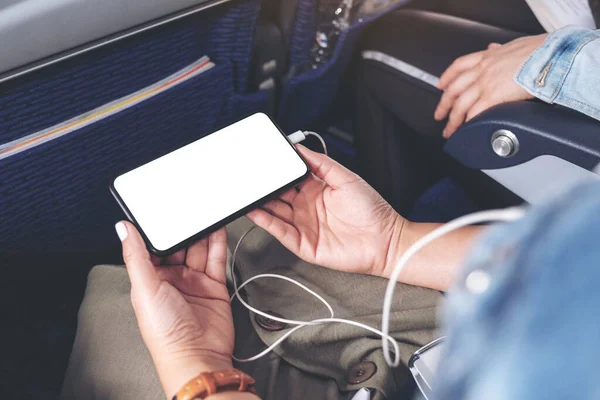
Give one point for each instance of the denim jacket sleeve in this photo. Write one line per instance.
(566, 70)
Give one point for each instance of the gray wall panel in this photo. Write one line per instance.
(34, 29)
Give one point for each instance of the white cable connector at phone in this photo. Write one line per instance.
(300, 136)
(296, 137)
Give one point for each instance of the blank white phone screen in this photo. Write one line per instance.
(187, 191)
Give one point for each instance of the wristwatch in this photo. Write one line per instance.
(208, 383)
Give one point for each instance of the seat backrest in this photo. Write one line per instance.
(310, 88)
(54, 197)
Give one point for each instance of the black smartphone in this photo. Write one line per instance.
(183, 196)
(423, 365)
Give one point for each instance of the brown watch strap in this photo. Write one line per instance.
(205, 384)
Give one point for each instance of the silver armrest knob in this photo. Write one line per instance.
(505, 143)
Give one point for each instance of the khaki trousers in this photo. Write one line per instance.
(110, 361)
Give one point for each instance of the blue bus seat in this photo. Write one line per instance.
(54, 199)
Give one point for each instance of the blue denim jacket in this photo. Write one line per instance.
(523, 321)
(566, 70)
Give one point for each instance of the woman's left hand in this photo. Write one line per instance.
(478, 81)
(182, 306)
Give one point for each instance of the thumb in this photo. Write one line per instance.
(494, 46)
(326, 169)
(142, 273)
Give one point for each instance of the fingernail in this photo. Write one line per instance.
(121, 231)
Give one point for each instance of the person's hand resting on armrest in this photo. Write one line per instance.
(182, 307)
(478, 81)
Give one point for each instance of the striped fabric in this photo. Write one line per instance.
(81, 121)
(54, 197)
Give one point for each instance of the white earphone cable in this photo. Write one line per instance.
(507, 215)
(300, 324)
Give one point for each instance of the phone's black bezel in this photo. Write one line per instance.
(187, 242)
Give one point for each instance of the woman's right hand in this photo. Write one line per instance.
(479, 81)
(334, 219)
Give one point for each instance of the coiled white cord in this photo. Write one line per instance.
(296, 137)
(300, 324)
(507, 215)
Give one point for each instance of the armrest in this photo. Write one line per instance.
(555, 148)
